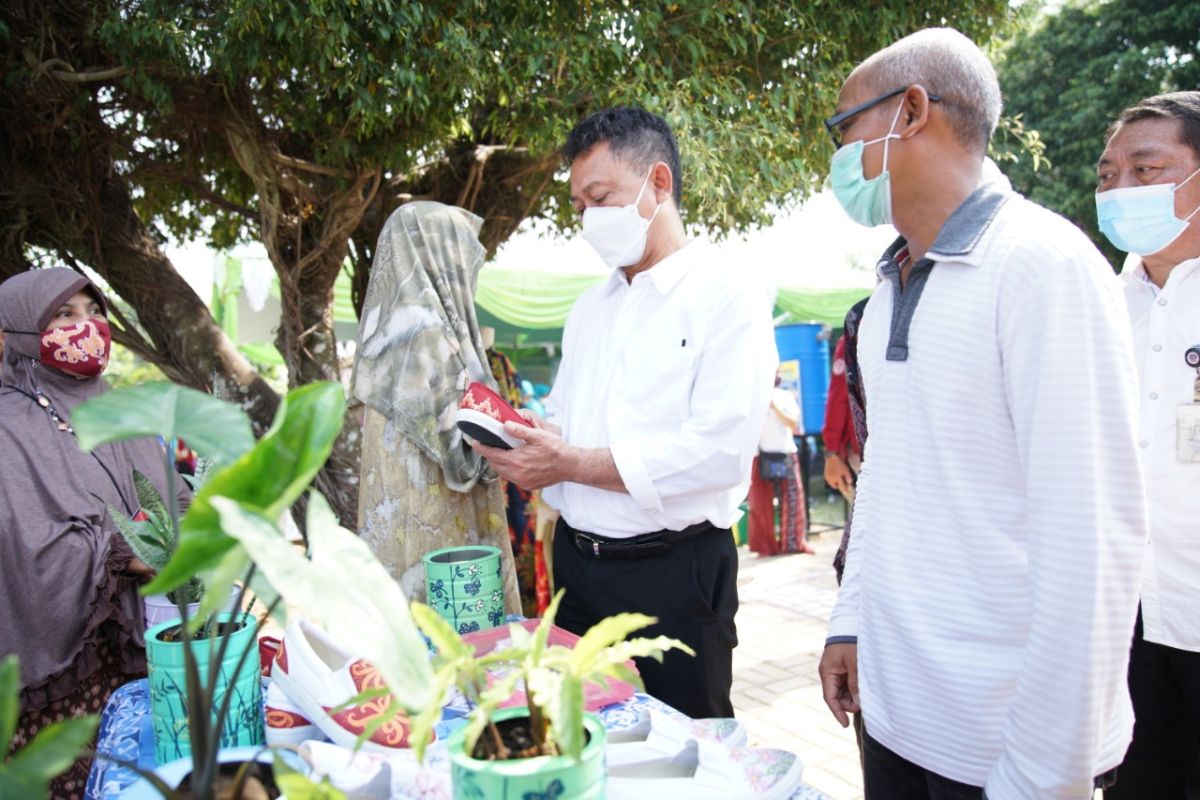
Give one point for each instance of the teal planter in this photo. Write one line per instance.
(168, 689)
(557, 777)
(465, 586)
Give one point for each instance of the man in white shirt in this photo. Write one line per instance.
(990, 590)
(654, 417)
(1147, 199)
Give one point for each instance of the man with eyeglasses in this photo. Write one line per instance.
(990, 589)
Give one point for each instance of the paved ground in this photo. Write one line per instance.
(785, 606)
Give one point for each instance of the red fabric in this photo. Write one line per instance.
(542, 577)
(480, 398)
(838, 433)
(762, 535)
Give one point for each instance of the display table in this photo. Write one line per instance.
(126, 733)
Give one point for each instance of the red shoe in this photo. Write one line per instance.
(481, 415)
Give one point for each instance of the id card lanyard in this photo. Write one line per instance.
(1187, 418)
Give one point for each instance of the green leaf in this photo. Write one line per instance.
(10, 700)
(606, 633)
(567, 719)
(446, 641)
(213, 427)
(142, 539)
(150, 500)
(50, 753)
(269, 478)
(344, 587)
(297, 786)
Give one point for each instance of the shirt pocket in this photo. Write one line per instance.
(658, 383)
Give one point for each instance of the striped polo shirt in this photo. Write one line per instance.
(998, 531)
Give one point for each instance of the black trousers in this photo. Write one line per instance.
(692, 590)
(1163, 761)
(887, 776)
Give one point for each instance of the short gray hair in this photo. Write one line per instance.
(949, 65)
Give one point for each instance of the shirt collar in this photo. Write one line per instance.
(964, 229)
(1134, 271)
(960, 233)
(664, 275)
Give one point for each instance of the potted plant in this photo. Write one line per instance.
(153, 538)
(28, 772)
(213, 698)
(550, 747)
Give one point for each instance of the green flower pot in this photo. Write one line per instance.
(557, 777)
(168, 689)
(465, 586)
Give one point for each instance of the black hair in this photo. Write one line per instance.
(634, 135)
(1182, 106)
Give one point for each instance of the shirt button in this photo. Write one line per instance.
(1158, 348)
(1162, 301)
(1143, 443)
(1154, 395)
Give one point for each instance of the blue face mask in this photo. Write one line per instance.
(868, 202)
(1141, 219)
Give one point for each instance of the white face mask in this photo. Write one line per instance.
(618, 233)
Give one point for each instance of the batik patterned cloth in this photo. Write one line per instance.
(125, 732)
(766, 538)
(419, 344)
(858, 413)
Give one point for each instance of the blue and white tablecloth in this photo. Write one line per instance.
(126, 733)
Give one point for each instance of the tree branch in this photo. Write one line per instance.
(308, 166)
(91, 76)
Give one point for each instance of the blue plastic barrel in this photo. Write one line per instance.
(805, 343)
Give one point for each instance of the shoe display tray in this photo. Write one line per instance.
(595, 696)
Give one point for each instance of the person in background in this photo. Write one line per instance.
(843, 455)
(990, 590)
(69, 604)
(845, 431)
(766, 536)
(654, 417)
(1148, 203)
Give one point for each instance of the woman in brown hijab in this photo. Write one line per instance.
(69, 606)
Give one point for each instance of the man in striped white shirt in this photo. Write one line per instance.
(990, 591)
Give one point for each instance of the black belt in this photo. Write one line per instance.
(647, 545)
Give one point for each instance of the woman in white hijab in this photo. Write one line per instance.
(419, 346)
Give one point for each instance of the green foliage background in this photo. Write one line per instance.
(1071, 73)
(343, 84)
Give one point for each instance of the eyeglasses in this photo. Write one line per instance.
(834, 123)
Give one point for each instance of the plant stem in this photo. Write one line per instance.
(198, 704)
(226, 700)
(537, 724)
(497, 742)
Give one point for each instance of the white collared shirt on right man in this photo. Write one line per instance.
(1166, 322)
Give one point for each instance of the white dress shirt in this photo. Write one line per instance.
(993, 566)
(1166, 322)
(776, 436)
(672, 373)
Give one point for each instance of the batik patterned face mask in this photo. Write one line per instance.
(80, 349)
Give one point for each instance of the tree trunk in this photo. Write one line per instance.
(81, 209)
(405, 510)
(306, 216)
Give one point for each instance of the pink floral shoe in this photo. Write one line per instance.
(704, 770)
(658, 735)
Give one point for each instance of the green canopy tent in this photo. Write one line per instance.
(531, 307)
